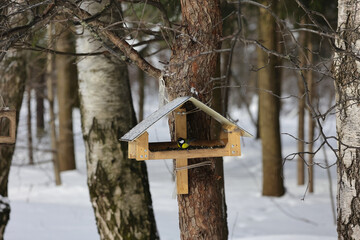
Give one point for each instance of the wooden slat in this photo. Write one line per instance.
(132, 150)
(182, 183)
(193, 153)
(161, 146)
(234, 143)
(142, 147)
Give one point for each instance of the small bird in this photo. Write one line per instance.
(183, 143)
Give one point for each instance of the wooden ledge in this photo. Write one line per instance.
(197, 144)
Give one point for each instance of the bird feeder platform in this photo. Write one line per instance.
(141, 149)
(8, 136)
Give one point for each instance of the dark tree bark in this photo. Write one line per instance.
(12, 87)
(50, 68)
(311, 121)
(269, 107)
(39, 95)
(141, 81)
(301, 111)
(29, 127)
(202, 213)
(66, 75)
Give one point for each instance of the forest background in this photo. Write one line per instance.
(267, 58)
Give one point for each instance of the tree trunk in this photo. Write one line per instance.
(50, 67)
(269, 105)
(12, 87)
(202, 212)
(310, 83)
(141, 80)
(39, 93)
(66, 74)
(347, 83)
(119, 189)
(29, 127)
(301, 109)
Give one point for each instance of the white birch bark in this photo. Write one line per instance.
(347, 76)
(118, 186)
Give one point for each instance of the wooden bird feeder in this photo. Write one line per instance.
(140, 148)
(10, 116)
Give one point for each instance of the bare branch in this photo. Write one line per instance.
(125, 47)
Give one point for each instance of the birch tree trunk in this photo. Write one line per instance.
(202, 212)
(119, 188)
(347, 83)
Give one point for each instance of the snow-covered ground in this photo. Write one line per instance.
(40, 210)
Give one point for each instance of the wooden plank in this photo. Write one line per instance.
(162, 146)
(182, 178)
(142, 147)
(193, 153)
(132, 150)
(11, 115)
(180, 123)
(182, 184)
(234, 146)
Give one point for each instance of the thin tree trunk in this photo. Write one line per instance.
(269, 90)
(311, 122)
(66, 74)
(225, 64)
(301, 110)
(50, 96)
(202, 212)
(29, 87)
(347, 83)
(119, 189)
(39, 93)
(29, 133)
(141, 92)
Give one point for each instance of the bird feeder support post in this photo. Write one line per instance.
(142, 147)
(234, 146)
(181, 131)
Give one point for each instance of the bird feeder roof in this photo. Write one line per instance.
(171, 106)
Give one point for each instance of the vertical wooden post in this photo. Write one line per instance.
(234, 142)
(181, 131)
(142, 147)
(132, 150)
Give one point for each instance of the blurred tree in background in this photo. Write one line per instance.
(280, 58)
